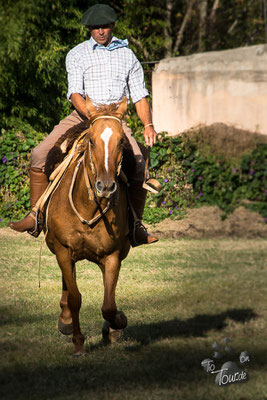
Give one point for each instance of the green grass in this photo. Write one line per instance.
(179, 296)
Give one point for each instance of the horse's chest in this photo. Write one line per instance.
(93, 247)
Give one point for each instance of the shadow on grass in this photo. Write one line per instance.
(196, 326)
(103, 378)
(126, 367)
(9, 315)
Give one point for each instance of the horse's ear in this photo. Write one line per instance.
(90, 107)
(122, 106)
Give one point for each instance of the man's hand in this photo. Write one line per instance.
(150, 135)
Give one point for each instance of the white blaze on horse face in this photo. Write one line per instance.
(105, 136)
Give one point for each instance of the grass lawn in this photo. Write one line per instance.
(180, 296)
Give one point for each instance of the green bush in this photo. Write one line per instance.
(190, 176)
(16, 144)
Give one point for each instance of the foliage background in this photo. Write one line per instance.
(35, 37)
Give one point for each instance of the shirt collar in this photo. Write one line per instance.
(115, 43)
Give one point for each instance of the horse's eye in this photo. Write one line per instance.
(121, 142)
(91, 142)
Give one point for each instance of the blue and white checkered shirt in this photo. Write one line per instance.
(105, 74)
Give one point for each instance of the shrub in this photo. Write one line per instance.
(191, 175)
(15, 149)
(191, 178)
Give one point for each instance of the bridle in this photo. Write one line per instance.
(90, 145)
(105, 117)
(88, 183)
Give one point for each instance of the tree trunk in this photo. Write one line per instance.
(203, 9)
(212, 25)
(186, 20)
(168, 28)
(212, 16)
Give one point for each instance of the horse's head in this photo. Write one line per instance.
(105, 145)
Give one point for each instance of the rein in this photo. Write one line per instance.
(88, 184)
(89, 187)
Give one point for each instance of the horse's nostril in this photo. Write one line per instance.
(99, 186)
(104, 189)
(113, 187)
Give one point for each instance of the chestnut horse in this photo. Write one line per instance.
(87, 219)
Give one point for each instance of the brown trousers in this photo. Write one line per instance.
(40, 152)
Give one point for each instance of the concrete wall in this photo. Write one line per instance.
(223, 86)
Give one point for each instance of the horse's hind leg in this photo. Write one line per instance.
(74, 297)
(115, 321)
(65, 320)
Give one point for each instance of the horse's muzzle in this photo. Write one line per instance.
(105, 189)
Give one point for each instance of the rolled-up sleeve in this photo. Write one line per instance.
(136, 82)
(75, 75)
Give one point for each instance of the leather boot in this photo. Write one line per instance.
(38, 184)
(139, 234)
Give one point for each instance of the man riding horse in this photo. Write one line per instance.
(106, 70)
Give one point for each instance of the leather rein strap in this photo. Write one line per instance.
(97, 217)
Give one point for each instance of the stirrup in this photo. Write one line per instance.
(39, 223)
(152, 185)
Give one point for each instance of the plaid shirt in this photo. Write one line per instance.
(105, 74)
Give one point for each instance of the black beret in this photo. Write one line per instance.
(99, 14)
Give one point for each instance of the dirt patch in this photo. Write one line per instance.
(206, 222)
(227, 141)
(8, 232)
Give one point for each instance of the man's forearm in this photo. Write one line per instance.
(79, 104)
(144, 113)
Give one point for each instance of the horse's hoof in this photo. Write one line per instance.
(110, 335)
(80, 353)
(121, 320)
(116, 335)
(65, 329)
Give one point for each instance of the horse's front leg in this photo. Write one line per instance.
(65, 320)
(74, 298)
(115, 321)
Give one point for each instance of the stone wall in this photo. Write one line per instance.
(223, 86)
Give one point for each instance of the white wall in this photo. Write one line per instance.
(224, 86)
